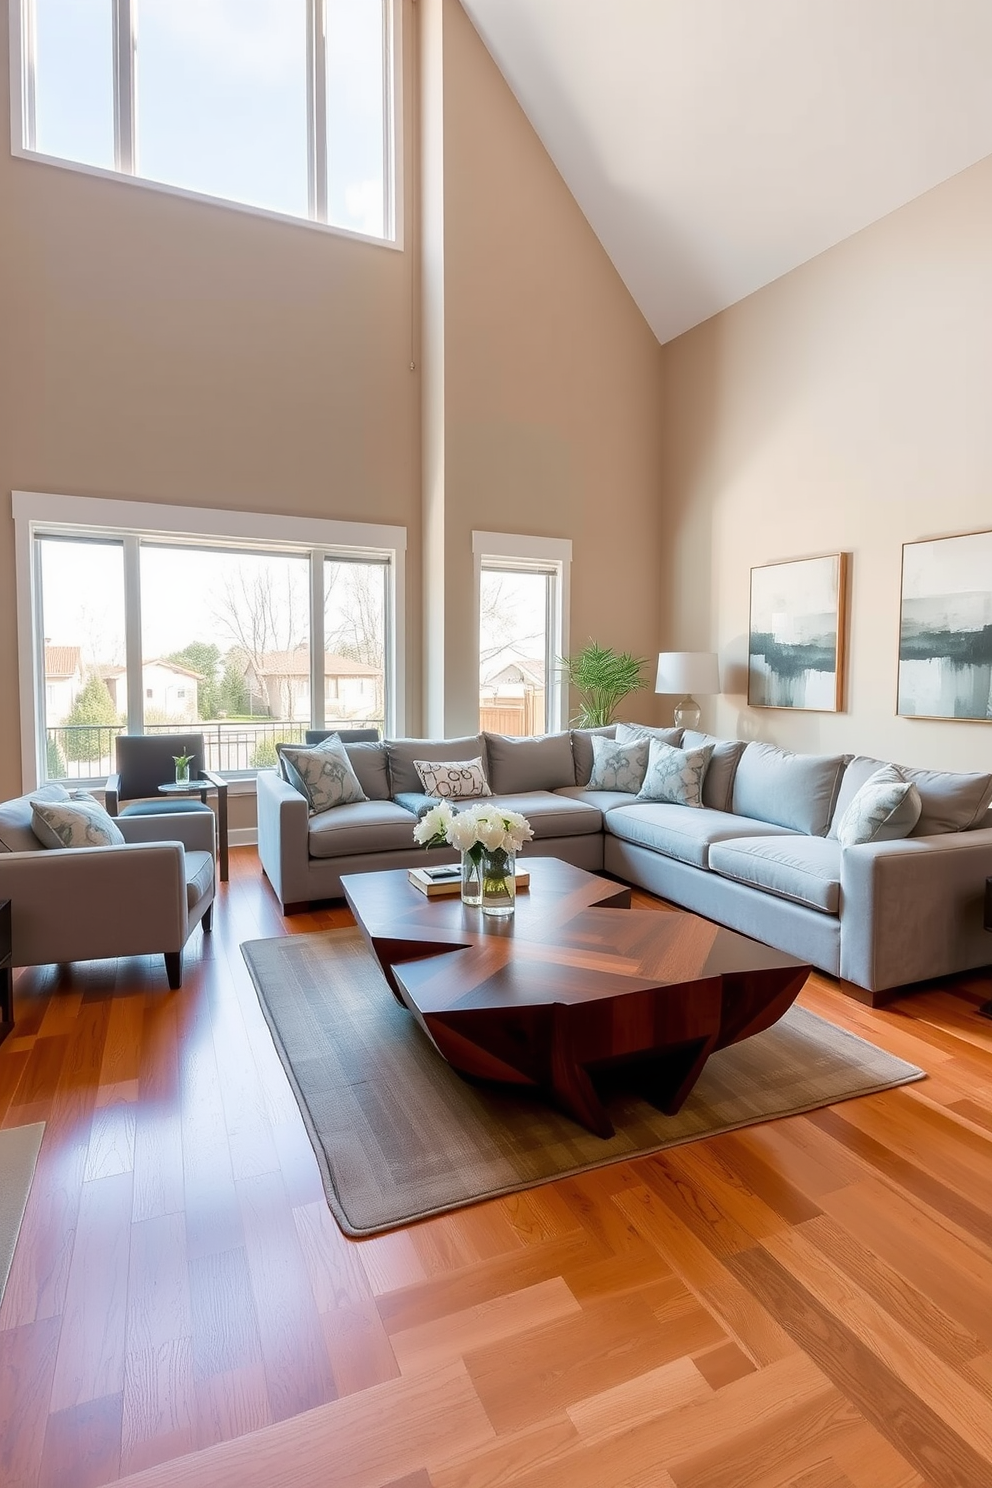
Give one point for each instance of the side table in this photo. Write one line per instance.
(200, 788)
(6, 973)
(986, 1007)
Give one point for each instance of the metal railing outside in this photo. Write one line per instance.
(80, 751)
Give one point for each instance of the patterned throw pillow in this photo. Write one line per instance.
(675, 775)
(886, 808)
(323, 774)
(618, 767)
(75, 823)
(459, 780)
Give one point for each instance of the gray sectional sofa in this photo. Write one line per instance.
(760, 856)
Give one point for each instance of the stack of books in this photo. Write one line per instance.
(441, 882)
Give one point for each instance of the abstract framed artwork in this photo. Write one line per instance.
(796, 634)
(945, 628)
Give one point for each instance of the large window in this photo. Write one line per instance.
(144, 625)
(522, 596)
(283, 105)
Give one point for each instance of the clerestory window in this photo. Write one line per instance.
(287, 106)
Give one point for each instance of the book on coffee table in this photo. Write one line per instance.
(439, 888)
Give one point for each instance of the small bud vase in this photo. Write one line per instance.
(472, 877)
(499, 882)
(182, 772)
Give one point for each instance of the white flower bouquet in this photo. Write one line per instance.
(488, 838)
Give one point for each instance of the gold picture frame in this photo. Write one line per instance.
(797, 622)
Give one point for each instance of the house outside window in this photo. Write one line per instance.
(522, 604)
(149, 619)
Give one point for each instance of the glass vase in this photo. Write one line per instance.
(472, 877)
(499, 881)
(182, 772)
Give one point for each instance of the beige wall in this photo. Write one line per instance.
(552, 380)
(845, 407)
(162, 349)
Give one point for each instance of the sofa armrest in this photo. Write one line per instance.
(85, 903)
(912, 909)
(112, 795)
(283, 837)
(194, 829)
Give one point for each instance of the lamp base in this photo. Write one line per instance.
(687, 714)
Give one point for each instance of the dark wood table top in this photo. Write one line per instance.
(565, 943)
(574, 981)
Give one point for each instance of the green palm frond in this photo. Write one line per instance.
(602, 677)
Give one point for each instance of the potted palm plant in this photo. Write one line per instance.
(602, 677)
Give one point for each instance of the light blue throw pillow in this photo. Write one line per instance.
(618, 767)
(80, 822)
(885, 809)
(675, 775)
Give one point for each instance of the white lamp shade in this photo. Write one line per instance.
(688, 671)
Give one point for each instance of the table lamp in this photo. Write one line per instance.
(687, 672)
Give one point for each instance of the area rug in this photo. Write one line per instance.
(399, 1135)
(19, 1148)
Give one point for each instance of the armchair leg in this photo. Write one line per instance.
(207, 919)
(174, 969)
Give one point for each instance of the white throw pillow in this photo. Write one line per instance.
(618, 767)
(885, 809)
(75, 823)
(323, 774)
(675, 775)
(453, 780)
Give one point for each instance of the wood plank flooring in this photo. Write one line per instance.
(803, 1304)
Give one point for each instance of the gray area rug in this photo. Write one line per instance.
(19, 1148)
(399, 1136)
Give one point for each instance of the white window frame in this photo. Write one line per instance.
(522, 553)
(23, 114)
(36, 513)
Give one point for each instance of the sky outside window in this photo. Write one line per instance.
(221, 98)
(74, 80)
(355, 122)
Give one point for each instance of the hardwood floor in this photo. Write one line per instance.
(802, 1304)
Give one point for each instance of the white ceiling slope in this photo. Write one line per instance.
(715, 144)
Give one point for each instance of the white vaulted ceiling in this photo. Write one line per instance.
(715, 144)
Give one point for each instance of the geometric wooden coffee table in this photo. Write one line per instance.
(574, 981)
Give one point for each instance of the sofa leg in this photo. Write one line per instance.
(296, 909)
(871, 999)
(207, 920)
(174, 969)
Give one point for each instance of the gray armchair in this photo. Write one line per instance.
(147, 761)
(144, 896)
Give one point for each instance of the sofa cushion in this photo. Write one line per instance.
(552, 814)
(582, 749)
(401, 754)
(683, 832)
(803, 869)
(453, 780)
(950, 802)
(675, 775)
(80, 823)
(627, 733)
(602, 800)
(886, 808)
(15, 818)
(542, 763)
(619, 766)
(718, 782)
(199, 876)
(361, 827)
(323, 775)
(791, 790)
(368, 760)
